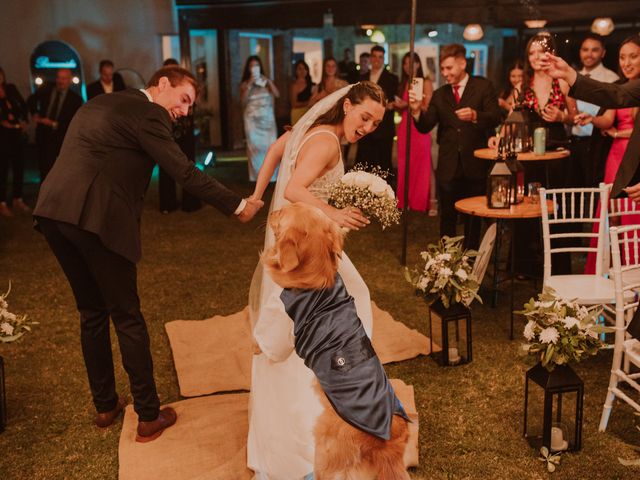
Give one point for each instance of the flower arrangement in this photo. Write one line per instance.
(560, 331)
(12, 326)
(446, 275)
(368, 191)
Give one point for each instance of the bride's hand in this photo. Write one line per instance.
(349, 217)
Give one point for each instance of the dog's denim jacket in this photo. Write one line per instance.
(331, 340)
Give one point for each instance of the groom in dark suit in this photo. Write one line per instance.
(607, 95)
(89, 210)
(466, 111)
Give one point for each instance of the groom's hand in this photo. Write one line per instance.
(634, 192)
(250, 210)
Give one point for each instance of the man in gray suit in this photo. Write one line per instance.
(607, 95)
(89, 210)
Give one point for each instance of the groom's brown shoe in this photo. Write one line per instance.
(148, 431)
(106, 419)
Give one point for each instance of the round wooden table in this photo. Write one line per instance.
(477, 206)
(491, 154)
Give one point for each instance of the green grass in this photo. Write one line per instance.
(199, 264)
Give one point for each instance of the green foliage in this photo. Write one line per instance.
(446, 275)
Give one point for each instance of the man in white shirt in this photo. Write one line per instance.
(587, 172)
(108, 82)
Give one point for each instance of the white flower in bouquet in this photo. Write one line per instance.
(12, 326)
(560, 331)
(367, 191)
(446, 275)
(529, 331)
(549, 335)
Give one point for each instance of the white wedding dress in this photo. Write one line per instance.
(283, 405)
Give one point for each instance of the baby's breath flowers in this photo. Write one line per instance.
(368, 191)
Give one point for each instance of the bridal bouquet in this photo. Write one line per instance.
(12, 326)
(369, 192)
(446, 274)
(560, 331)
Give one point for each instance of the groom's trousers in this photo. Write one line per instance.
(104, 285)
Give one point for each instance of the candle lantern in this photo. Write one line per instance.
(3, 398)
(553, 408)
(450, 334)
(517, 131)
(499, 182)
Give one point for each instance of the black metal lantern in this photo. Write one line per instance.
(499, 185)
(553, 408)
(450, 334)
(3, 398)
(517, 131)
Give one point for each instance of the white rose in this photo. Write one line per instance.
(378, 187)
(549, 335)
(11, 317)
(570, 322)
(6, 328)
(462, 274)
(349, 178)
(529, 332)
(389, 192)
(362, 179)
(443, 257)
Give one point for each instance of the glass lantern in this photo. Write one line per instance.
(517, 131)
(450, 334)
(499, 185)
(553, 408)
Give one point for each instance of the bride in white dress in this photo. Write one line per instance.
(284, 406)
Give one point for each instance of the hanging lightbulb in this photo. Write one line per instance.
(602, 26)
(38, 81)
(473, 32)
(377, 36)
(535, 23)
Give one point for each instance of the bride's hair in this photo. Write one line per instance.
(356, 95)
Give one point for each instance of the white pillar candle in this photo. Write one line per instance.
(454, 356)
(558, 443)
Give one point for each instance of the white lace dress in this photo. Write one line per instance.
(284, 406)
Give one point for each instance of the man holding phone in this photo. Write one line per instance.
(466, 111)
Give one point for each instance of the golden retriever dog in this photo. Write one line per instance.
(362, 432)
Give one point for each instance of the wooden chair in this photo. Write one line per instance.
(576, 206)
(625, 250)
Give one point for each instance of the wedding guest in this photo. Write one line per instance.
(347, 67)
(587, 171)
(108, 82)
(53, 109)
(549, 106)
(376, 149)
(364, 63)
(13, 122)
(300, 91)
(89, 210)
(420, 150)
(256, 94)
(466, 111)
(617, 124)
(513, 87)
(330, 81)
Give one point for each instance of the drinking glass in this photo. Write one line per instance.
(534, 192)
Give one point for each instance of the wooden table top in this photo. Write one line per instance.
(491, 154)
(477, 206)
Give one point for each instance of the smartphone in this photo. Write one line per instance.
(417, 86)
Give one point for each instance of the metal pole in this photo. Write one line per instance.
(405, 192)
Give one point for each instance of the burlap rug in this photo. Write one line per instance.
(214, 355)
(208, 442)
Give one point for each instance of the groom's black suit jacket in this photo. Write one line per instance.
(611, 95)
(458, 139)
(102, 173)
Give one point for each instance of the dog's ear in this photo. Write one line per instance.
(288, 253)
